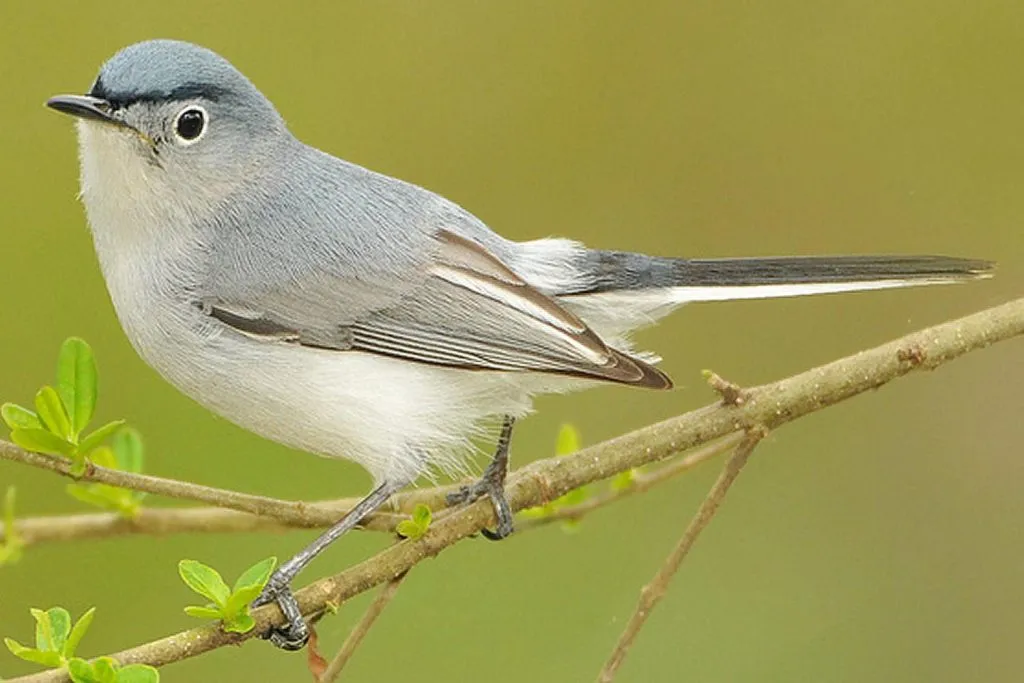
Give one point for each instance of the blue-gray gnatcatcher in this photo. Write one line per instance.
(350, 314)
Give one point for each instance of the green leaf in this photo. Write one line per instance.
(102, 670)
(17, 417)
(75, 637)
(248, 586)
(44, 633)
(89, 496)
(242, 623)
(76, 382)
(567, 443)
(416, 526)
(105, 669)
(204, 580)
(568, 440)
(239, 601)
(42, 441)
(104, 457)
(257, 575)
(94, 439)
(33, 655)
(52, 413)
(127, 445)
(538, 512)
(137, 673)
(81, 671)
(409, 529)
(121, 500)
(209, 612)
(60, 626)
(421, 515)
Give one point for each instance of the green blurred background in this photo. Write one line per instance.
(881, 540)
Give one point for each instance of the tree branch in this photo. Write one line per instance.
(258, 512)
(769, 406)
(164, 521)
(642, 482)
(359, 631)
(320, 514)
(653, 592)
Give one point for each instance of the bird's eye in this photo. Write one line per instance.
(190, 124)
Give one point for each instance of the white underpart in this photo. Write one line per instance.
(397, 419)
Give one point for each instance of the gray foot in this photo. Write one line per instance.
(492, 485)
(295, 634)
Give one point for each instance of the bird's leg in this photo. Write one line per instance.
(294, 635)
(492, 485)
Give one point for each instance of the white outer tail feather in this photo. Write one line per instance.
(687, 294)
(614, 315)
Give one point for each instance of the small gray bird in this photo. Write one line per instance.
(343, 312)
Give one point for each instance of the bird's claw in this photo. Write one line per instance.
(493, 487)
(288, 638)
(294, 634)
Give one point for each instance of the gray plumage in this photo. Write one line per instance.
(350, 314)
(249, 244)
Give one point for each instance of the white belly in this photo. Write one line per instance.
(395, 418)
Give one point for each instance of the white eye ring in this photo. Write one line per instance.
(188, 128)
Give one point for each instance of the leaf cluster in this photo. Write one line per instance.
(417, 524)
(229, 605)
(567, 443)
(56, 642)
(57, 425)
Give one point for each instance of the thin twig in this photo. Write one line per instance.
(359, 631)
(164, 521)
(653, 592)
(294, 511)
(642, 481)
(771, 406)
(319, 514)
(732, 394)
(285, 512)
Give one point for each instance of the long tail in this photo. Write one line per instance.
(756, 278)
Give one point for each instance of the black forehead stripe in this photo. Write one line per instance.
(186, 91)
(99, 89)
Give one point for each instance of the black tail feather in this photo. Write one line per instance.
(617, 271)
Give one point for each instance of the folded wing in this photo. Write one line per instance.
(465, 309)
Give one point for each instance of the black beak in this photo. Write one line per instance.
(84, 107)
